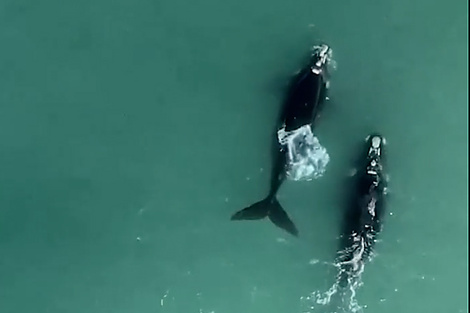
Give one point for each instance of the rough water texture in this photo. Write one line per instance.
(341, 296)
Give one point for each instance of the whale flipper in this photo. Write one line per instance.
(271, 208)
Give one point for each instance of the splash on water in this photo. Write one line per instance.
(306, 157)
(341, 296)
(338, 298)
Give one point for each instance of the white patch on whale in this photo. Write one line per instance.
(306, 157)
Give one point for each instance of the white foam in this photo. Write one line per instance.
(306, 157)
(342, 299)
(336, 299)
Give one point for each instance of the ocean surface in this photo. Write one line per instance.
(130, 132)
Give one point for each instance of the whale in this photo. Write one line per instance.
(365, 209)
(305, 98)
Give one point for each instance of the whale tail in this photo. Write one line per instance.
(271, 208)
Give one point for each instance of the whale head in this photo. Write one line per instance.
(375, 152)
(321, 59)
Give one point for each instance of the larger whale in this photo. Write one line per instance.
(305, 99)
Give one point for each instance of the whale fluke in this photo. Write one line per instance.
(271, 208)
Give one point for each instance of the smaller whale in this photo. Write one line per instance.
(303, 103)
(363, 218)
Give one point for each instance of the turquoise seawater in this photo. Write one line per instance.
(130, 132)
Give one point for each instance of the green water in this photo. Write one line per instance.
(130, 131)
